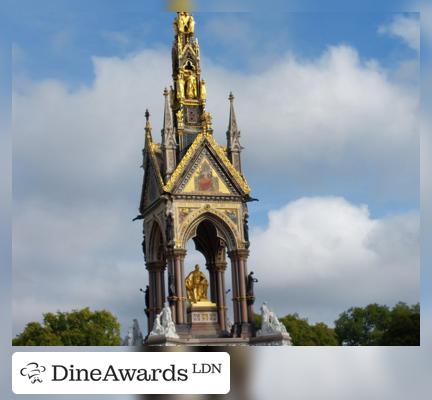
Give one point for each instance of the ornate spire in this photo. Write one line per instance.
(167, 130)
(232, 122)
(189, 92)
(233, 137)
(147, 117)
(169, 144)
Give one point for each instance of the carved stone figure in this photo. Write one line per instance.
(196, 285)
(164, 325)
(171, 287)
(246, 228)
(147, 296)
(270, 324)
(250, 284)
(169, 228)
(134, 336)
(191, 87)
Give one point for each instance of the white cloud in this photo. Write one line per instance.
(77, 181)
(406, 28)
(323, 255)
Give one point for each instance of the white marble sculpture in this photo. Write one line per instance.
(270, 324)
(164, 325)
(134, 336)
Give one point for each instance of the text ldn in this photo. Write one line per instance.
(62, 373)
(204, 368)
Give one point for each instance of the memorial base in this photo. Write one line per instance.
(203, 320)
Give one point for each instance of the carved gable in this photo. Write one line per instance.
(206, 177)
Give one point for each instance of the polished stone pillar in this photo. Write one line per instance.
(234, 285)
(156, 289)
(178, 256)
(220, 295)
(243, 323)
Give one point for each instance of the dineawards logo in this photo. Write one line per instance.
(33, 371)
(121, 373)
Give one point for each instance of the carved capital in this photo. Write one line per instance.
(176, 253)
(238, 254)
(155, 266)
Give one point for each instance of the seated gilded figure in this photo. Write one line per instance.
(196, 286)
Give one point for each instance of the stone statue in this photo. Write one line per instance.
(191, 87)
(134, 336)
(203, 91)
(169, 228)
(171, 287)
(147, 296)
(246, 228)
(164, 325)
(250, 284)
(270, 324)
(180, 87)
(196, 285)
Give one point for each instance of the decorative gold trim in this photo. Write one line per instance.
(182, 164)
(220, 152)
(240, 180)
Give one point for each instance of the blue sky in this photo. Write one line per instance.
(58, 42)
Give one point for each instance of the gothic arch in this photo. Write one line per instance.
(156, 242)
(225, 230)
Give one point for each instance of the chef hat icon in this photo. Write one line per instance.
(33, 371)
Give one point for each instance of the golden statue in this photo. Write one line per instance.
(179, 115)
(206, 120)
(196, 285)
(185, 23)
(191, 87)
(203, 91)
(180, 87)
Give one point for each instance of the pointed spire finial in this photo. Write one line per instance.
(147, 124)
(232, 123)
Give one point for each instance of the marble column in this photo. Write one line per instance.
(220, 295)
(179, 256)
(234, 285)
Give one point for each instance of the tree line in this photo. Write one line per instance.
(373, 325)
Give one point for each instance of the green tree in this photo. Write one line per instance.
(76, 328)
(404, 326)
(362, 326)
(304, 334)
(377, 325)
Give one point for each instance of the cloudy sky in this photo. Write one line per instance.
(371, 185)
(328, 109)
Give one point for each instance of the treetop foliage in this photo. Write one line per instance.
(76, 328)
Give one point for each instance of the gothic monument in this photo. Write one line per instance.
(194, 189)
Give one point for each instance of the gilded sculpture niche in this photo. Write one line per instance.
(196, 286)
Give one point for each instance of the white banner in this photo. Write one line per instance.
(120, 373)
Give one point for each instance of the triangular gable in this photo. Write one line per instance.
(205, 177)
(205, 147)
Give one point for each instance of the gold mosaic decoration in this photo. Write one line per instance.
(220, 152)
